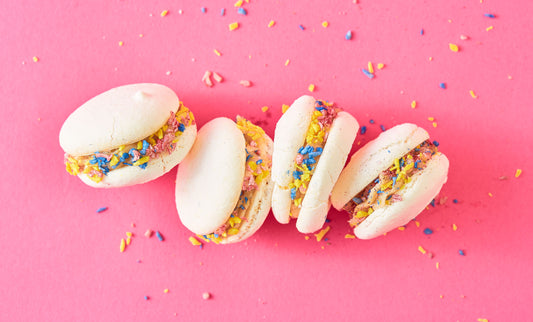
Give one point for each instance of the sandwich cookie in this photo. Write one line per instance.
(223, 189)
(390, 180)
(311, 144)
(128, 135)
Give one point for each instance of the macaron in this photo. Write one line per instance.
(223, 187)
(311, 144)
(128, 135)
(390, 180)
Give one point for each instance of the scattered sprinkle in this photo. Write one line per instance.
(206, 79)
(489, 28)
(382, 127)
(120, 43)
(503, 178)
(371, 121)
(146, 298)
(206, 295)
(101, 209)
(148, 233)
(489, 15)
(401, 228)
(159, 236)
(203, 9)
(455, 201)
(349, 236)
(436, 143)
(238, 3)
(217, 77)
(381, 65)
(264, 108)
(434, 124)
(128, 241)
(348, 35)
(461, 252)
(164, 13)
(306, 237)
(311, 87)
(325, 24)
(222, 11)
(370, 67)
(168, 73)
(122, 245)
(245, 83)
(287, 62)
(413, 104)
(363, 129)
(242, 11)
(454, 227)
(442, 85)
(217, 53)
(432, 203)
(234, 25)
(271, 24)
(490, 194)
(35, 59)
(421, 32)
(284, 108)
(194, 241)
(482, 320)
(473, 94)
(518, 173)
(367, 73)
(431, 119)
(422, 250)
(437, 265)
(322, 233)
(453, 47)
(463, 37)
(166, 290)
(417, 223)
(301, 27)
(428, 231)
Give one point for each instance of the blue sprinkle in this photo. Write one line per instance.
(421, 32)
(435, 143)
(124, 156)
(326, 239)
(203, 9)
(428, 231)
(102, 209)
(367, 73)
(455, 201)
(309, 161)
(159, 236)
(371, 121)
(259, 161)
(248, 157)
(416, 164)
(181, 127)
(127, 163)
(363, 129)
(489, 15)
(245, 199)
(143, 166)
(402, 163)
(216, 235)
(242, 11)
(328, 220)
(301, 27)
(146, 145)
(242, 207)
(432, 203)
(146, 298)
(394, 181)
(382, 127)
(93, 160)
(301, 149)
(381, 191)
(297, 174)
(314, 154)
(461, 252)
(348, 35)
(442, 85)
(319, 149)
(307, 149)
(320, 108)
(293, 193)
(376, 181)
(222, 12)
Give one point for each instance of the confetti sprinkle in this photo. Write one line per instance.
(437, 265)
(421, 32)
(431, 119)
(382, 127)
(287, 62)
(222, 11)
(238, 3)
(311, 87)
(422, 250)
(217, 53)
(370, 67)
(428, 231)
(271, 24)
(164, 13)
(264, 108)
(232, 26)
(455, 201)
(148, 233)
(461, 252)
(306, 237)
(434, 124)
(121, 43)
(166, 290)
(322, 233)
(489, 15)
(453, 47)
(122, 245)
(371, 121)
(489, 28)
(349, 236)
(367, 73)
(194, 241)
(245, 83)
(363, 129)
(325, 24)
(301, 27)
(146, 298)
(242, 11)
(518, 173)
(217, 77)
(203, 9)
(482, 320)
(490, 194)
(206, 295)
(381, 66)
(284, 108)
(102, 209)
(35, 59)
(206, 79)
(413, 104)
(454, 227)
(417, 223)
(159, 236)
(401, 228)
(473, 94)
(348, 35)
(128, 241)
(442, 85)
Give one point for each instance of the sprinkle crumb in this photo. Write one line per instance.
(417, 223)
(206, 295)
(454, 227)
(518, 173)
(349, 236)
(325, 24)
(146, 298)
(245, 83)
(489, 28)
(490, 194)
(401, 228)
(453, 47)
(194, 241)
(322, 233)
(217, 77)
(463, 37)
(381, 65)
(168, 73)
(121, 43)
(306, 237)
(413, 104)
(284, 108)
(271, 24)
(128, 241)
(434, 124)
(35, 59)
(264, 109)
(431, 119)
(148, 233)
(370, 67)
(165, 290)
(441, 296)
(422, 250)
(311, 87)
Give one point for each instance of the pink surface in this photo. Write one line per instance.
(61, 259)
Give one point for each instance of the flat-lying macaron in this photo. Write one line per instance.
(223, 189)
(390, 180)
(311, 144)
(127, 135)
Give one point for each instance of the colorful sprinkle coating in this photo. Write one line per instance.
(159, 236)
(102, 209)
(322, 233)
(98, 164)
(453, 47)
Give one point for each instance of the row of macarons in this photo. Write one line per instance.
(231, 173)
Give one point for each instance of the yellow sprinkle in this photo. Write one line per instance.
(129, 234)
(287, 62)
(271, 24)
(431, 118)
(482, 320)
(128, 241)
(518, 173)
(284, 108)
(122, 245)
(311, 87)
(434, 124)
(217, 53)
(489, 28)
(238, 3)
(165, 290)
(430, 58)
(370, 67)
(454, 227)
(139, 145)
(349, 236)
(325, 24)
(114, 160)
(306, 237)
(454, 47)
(422, 250)
(264, 108)
(473, 94)
(35, 59)
(381, 65)
(417, 223)
(234, 25)
(437, 265)
(233, 231)
(413, 104)
(142, 160)
(194, 241)
(322, 233)
(441, 296)
(401, 228)
(490, 194)
(164, 13)
(120, 43)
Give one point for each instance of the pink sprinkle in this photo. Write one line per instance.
(206, 79)
(96, 173)
(245, 83)
(218, 78)
(249, 183)
(299, 159)
(136, 155)
(103, 155)
(396, 197)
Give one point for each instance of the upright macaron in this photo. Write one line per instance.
(223, 189)
(390, 180)
(127, 135)
(311, 144)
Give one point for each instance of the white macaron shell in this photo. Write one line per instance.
(289, 136)
(131, 175)
(120, 116)
(373, 158)
(416, 195)
(209, 179)
(315, 204)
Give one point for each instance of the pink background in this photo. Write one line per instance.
(61, 260)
